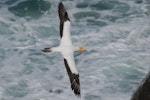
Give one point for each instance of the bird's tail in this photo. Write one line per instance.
(47, 50)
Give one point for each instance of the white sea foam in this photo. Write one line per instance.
(116, 60)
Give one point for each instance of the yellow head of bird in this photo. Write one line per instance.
(81, 48)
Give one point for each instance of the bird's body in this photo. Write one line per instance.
(67, 52)
(66, 48)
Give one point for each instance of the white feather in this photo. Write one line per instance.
(66, 38)
(67, 48)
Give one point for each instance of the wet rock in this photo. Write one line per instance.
(143, 91)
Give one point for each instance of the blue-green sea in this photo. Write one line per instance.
(116, 34)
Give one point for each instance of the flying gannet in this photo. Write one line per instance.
(67, 49)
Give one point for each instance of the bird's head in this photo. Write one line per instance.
(81, 48)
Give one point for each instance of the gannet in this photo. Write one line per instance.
(66, 48)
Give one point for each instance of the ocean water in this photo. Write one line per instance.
(116, 34)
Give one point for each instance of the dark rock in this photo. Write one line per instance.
(143, 91)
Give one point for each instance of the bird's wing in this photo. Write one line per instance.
(64, 26)
(73, 74)
(68, 57)
(63, 16)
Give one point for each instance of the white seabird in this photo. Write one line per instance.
(67, 49)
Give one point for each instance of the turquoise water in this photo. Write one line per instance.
(116, 34)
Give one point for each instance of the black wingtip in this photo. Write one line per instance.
(60, 4)
(63, 15)
(74, 80)
(75, 84)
